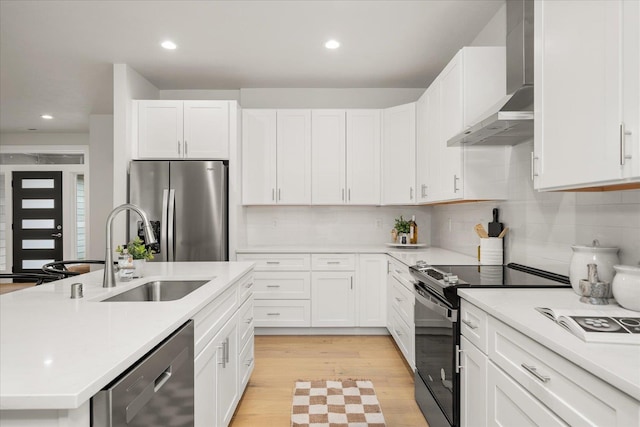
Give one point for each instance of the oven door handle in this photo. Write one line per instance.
(446, 312)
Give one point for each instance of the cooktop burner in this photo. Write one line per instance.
(444, 280)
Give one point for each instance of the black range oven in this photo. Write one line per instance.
(437, 336)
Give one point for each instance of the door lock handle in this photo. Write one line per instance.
(56, 235)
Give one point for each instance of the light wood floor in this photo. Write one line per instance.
(281, 360)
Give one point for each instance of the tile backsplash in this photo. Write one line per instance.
(544, 225)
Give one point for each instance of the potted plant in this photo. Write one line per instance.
(138, 252)
(402, 229)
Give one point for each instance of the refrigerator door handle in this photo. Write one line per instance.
(163, 225)
(171, 225)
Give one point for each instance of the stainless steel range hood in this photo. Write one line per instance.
(510, 122)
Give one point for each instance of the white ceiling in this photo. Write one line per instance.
(56, 56)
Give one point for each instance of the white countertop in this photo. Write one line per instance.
(57, 352)
(407, 256)
(617, 364)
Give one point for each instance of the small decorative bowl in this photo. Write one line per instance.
(626, 286)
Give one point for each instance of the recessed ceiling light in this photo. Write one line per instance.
(332, 44)
(168, 44)
(47, 116)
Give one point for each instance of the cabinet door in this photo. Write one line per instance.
(332, 299)
(227, 395)
(399, 155)
(428, 145)
(452, 122)
(294, 157)
(206, 380)
(328, 154)
(508, 404)
(372, 290)
(258, 157)
(631, 91)
(577, 125)
(160, 129)
(363, 157)
(206, 129)
(473, 385)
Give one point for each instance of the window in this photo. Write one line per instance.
(3, 225)
(81, 243)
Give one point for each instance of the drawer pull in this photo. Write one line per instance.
(397, 332)
(273, 286)
(399, 299)
(273, 314)
(333, 262)
(248, 285)
(249, 362)
(533, 371)
(273, 262)
(470, 324)
(249, 320)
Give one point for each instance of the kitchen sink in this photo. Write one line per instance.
(158, 290)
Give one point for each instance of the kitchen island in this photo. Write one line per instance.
(57, 352)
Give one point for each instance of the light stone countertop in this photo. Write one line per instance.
(409, 256)
(57, 352)
(616, 364)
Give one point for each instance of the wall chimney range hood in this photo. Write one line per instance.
(510, 121)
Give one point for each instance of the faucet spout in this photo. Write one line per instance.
(109, 280)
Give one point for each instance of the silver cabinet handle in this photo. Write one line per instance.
(186, 148)
(249, 362)
(223, 351)
(273, 194)
(399, 299)
(227, 350)
(410, 193)
(249, 320)
(351, 282)
(458, 365)
(533, 166)
(343, 194)
(248, 285)
(349, 195)
(455, 183)
(397, 332)
(423, 191)
(279, 194)
(533, 371)
(333, 262)
(273, 286)
(179, 148)
(470, 324)
(273, 314)
(273, 262)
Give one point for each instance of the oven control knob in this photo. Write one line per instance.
(453, 279)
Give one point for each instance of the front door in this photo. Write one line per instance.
(37, 220)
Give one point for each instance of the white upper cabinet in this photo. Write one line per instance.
(328, 154)
(258, 157)
(472, 82)
(276, 157)
(399, 155)
(183, 129)
(345, 157)
(586, 94)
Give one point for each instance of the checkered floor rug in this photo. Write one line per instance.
(335, 404)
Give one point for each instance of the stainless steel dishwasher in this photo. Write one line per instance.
(157, 391)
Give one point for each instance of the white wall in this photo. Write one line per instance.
(218, 95)
(101, 184)
(127, 86)
(44, 138)
(495, 32)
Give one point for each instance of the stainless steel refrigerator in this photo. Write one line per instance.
(186, 201)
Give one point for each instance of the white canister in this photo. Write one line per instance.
(604, 258)
(626, 286)
(491, 251)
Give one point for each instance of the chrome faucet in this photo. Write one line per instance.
(109, 280)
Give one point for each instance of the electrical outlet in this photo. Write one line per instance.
(378, 223)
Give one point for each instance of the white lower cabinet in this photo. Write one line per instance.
(332, 299)
(401, 307)
(526, 384)
(223, 345)
(371, 281)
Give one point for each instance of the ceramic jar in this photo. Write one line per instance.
(626, 286)
(604, 258)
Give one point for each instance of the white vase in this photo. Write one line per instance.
(604, 258)
(626, 286)
(138, 267)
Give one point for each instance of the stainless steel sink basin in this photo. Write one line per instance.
(158, 290)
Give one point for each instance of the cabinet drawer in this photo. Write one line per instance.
(401, 273)
(333, 262)
(574, 394)
(403, 335)
(282, 313)
(245, 322)
(245, 287)
(283, 262)
(282, 285)
(210, 319)
(473, 325)
(246, 363)
(402, 300)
